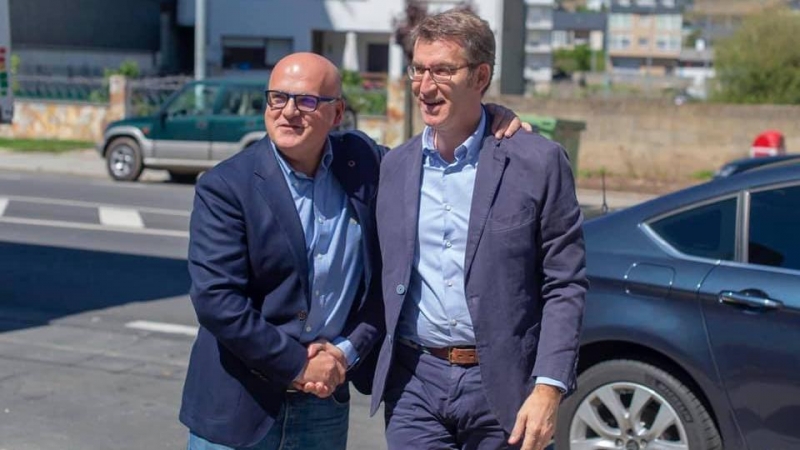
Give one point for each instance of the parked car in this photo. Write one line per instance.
(691, 335)
(745, 164)
(200, 125)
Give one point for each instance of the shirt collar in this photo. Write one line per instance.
(324, 165)
(468, 150)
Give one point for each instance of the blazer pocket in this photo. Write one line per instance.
(497, 224)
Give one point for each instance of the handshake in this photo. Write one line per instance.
(324, 371)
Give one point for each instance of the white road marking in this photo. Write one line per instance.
(55, 201)
(93, 227)
(120, 217)
(3, 205)
(162, 327)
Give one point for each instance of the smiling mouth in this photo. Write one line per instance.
(432, 102)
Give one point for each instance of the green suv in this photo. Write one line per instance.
(202, 124)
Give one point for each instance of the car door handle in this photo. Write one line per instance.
(754, 300)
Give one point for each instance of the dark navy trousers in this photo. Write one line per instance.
(431, 404)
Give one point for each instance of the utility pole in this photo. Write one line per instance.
(199, 39)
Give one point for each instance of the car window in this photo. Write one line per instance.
(197, 100)
(775, 228)
(242, 101)
(708, 231)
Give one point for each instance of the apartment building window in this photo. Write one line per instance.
(537, 14)
(646, 3)
(668, 43)
(537, 37)
(645, 21)
(537, 62)
(621, 21)
(643, 42)
(668, 3)
(620, 42)
(254, 53)
(669, 22)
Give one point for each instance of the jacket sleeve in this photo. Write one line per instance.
(218, 266)
(564, 274)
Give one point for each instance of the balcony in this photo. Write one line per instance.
(541, 74)
(538, 47)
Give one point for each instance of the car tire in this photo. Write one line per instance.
(182, 177)
(603, 410)
(124, 160)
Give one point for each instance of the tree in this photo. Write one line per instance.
(760, 63)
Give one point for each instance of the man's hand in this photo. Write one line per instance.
(324, 371)
(505, 122)
(536, 420)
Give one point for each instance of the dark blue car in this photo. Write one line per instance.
(691, 335)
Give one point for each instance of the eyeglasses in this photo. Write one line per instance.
(440, 74)
(303, 102)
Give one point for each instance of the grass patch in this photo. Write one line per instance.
(43, 145)
(703, 175)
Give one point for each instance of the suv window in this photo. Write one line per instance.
(242, 101)
(775, 228)
(195, 100)
(708, 231)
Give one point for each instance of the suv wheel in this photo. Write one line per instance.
(124, 159)
(631, 405)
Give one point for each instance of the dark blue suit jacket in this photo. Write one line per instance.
(247, 260)
(524, 266)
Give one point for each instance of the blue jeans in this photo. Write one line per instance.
(305, 422)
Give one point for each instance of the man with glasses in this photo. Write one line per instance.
(483, 263)
(283, 256)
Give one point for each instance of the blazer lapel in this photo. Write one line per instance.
(272, 186)
(346, 169)
(412, 192)
(491, 165)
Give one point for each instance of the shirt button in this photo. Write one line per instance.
(448, 244)
(319, 255)
(447, 207)
(320, 220)
(400, 289)
(308, 329)
(449, 283)
(302, 315)
(453, 322)
(316, 293)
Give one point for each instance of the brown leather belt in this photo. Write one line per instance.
(461, 356)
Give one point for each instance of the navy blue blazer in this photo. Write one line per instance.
(524, 266)
(247, 260)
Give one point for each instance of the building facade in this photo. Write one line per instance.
(645, 36)
(538, 44)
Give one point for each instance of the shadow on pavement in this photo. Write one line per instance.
(55, 281)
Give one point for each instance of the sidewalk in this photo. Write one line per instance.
(89, 164)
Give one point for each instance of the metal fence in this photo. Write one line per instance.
(47, 87)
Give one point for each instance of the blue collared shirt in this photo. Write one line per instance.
(435, 312)
(333, 249)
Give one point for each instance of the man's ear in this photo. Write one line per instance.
(482, 74)
(340, 106)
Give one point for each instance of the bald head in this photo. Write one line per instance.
(312, 70)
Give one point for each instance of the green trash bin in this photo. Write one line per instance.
(565, 132)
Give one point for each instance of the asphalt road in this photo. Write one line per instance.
(95, 321)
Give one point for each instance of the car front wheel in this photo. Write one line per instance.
(630, 405)
(124, 159)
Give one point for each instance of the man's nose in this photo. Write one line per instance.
(427, 85)
(290, 109)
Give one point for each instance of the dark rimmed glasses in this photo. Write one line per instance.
(440, 74)
(303, 102)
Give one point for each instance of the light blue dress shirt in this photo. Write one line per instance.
(333, 248)
(435, 312)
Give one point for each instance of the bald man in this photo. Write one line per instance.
(285, 269)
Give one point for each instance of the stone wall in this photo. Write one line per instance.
(57, 120)
(653, 139)
(80, 121)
